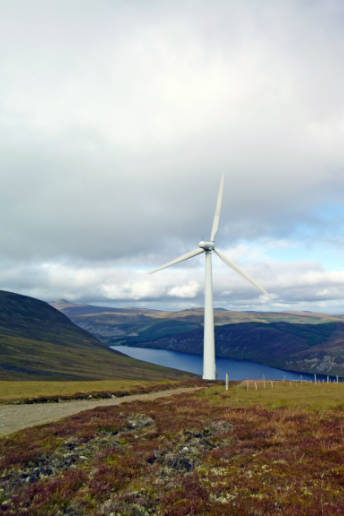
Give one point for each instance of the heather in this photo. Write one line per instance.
(244, 451)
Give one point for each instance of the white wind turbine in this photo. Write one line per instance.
(209, 366)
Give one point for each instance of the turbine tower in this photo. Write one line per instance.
(209, 366)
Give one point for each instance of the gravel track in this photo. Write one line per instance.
(17, 417)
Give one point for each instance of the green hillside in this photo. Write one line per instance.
(126, 325)
(312, 348)
(37, 342)
(298, 341)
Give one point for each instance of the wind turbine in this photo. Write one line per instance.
(209, 366)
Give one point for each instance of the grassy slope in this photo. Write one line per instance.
(29, 390)
(268, 451)
(14, 391)
(274, 395)
(39, 342)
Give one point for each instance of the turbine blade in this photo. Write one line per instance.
(182, 258)
(239, 271)
(217, 211)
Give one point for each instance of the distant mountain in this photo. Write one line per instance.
(298, 341)
(312, 348)
(112, 325)
(39, 342)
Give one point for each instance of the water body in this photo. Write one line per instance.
(237, 369)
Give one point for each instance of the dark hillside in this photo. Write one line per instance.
(37, 342)
(122, 325)
(299, 341)
(313, 348)
(23, 316)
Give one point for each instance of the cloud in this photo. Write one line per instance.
(116, 121)
(187, 291)
(294, 285)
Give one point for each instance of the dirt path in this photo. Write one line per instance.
(17, 417)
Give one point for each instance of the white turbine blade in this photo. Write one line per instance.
(239, 271)
(186, 256)
(217, 211)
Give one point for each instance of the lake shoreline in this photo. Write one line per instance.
(229, 358)
(175, 359)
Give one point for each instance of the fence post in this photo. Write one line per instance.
(227, 380)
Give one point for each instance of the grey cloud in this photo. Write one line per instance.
(294, 286)
(117, 120)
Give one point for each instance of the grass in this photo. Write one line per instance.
(38, 342)
(26, 359)
(256, 452)
(16, 391)
(293, 395)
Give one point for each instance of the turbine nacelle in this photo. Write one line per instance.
(207, 246)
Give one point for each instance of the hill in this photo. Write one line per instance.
(311, 348)
(37, 342)
(120, 325)
(298, 341)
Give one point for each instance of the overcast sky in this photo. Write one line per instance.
(117, 118)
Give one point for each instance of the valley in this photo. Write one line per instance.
(296, 341)
(91, 431)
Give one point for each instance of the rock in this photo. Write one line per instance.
(179, 462)
(220, 427)
(140, 421)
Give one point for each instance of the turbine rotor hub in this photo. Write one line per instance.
(207, 246)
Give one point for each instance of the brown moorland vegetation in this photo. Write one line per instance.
(267, 451)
